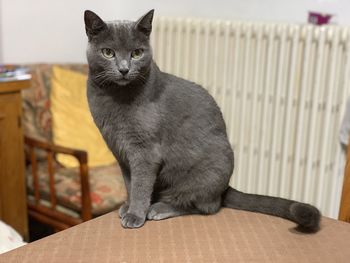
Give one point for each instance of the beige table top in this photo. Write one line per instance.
(229, 236)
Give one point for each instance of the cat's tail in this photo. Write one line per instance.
(306, 216)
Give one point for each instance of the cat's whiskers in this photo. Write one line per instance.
(105, 77)
(100, 75)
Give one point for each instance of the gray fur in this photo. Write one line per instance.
(167, 133)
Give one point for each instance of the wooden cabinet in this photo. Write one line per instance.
(344, 213)
(13, 205)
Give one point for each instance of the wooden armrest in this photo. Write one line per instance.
(47, 146)
(52, 149)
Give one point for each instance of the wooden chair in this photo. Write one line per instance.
(344, 213)
(56, 195)
(49, 214)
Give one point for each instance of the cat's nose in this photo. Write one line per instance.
(124, 71)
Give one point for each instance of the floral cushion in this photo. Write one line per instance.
(37, 119)
(107, 188)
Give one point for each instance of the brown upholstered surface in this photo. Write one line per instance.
(229, 236)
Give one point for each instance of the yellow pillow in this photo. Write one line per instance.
(72, 123)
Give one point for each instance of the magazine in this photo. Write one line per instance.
(13, 73)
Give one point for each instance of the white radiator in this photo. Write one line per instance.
(282, 90)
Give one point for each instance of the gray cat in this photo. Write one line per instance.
(167, 133)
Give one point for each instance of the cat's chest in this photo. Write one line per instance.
(123, 126)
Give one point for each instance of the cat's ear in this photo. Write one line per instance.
(93, 24)
(144, 24)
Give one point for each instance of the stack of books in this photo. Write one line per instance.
(12, 73)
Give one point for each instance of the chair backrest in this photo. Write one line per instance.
(37, 119)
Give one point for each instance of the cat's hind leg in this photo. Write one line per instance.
(160, 210)
(209, 208)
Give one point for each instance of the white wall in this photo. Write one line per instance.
(1, 37)
(53, 30)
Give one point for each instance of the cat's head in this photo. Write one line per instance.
(118, 52)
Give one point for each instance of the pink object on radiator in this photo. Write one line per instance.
(319, 18)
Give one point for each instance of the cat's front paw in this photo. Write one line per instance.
(132, 221)
(123, 210)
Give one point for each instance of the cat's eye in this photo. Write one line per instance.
(137, 53)
(108, 53)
